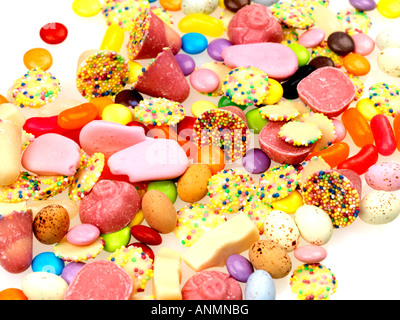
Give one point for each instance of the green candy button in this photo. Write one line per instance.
(167, 187)
(254, 121)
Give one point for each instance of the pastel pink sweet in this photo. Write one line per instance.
(312, 37)
(110, 206)
(340, 130)
(277, 60)
(153, 159)
(310, 253)
(204, 80)
(52, 154)
(254, 24)
(109, 137)
(363, 44)
(83, 234)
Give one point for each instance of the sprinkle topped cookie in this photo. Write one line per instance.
(246, 86)
(290, 35)
(299, 133)
(71, 252)
(354, 21)
(386, 98)
(159, 111)
(325, 125)
(102, 74)
(296, 14)
(277, 183)
(123, 12)
(278, 112)
(194, 220)
(257, 211)
(34, 89)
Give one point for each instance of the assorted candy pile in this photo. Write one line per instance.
(261, 171)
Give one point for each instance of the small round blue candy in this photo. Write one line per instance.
(216, 47)
(260, 286)
(194, 43)
(47, 262)
(239, 267)
(186, 63)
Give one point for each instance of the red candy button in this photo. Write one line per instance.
(53, 33)
(146, 235)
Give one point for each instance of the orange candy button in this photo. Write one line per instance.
(12, 294)
(356, 64)
(171, 5)
(38, 58)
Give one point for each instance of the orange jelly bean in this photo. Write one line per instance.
(334, 154)
(38, 58)
(12, 294)
(101, 103)
(396, 130)
(356, 64)
(3, 99)
(171, 5)
(77, 117)
(357, 127)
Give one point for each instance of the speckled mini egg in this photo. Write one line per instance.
(199, 6)
(384, 176)
(379, 207)
(51, 224)
(280, 228)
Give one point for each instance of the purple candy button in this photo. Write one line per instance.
(186, 63)
(363, 5)
(256, 161)
(70, 270)
(216, 47)
(239, 267)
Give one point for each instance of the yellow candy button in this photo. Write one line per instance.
(289, 204)
(86, 8)
(201, 106)
(201, 23)
(113, 39)
(275, 92)
(366, 108)
(389, 8)
(117, 113)
(135, 70)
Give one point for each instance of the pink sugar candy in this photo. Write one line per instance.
(83, 234)
(204, 80)
(312, 38)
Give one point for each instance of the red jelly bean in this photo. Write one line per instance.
(146, 249)
(362, 161)
(77, 117)
(385, 140)
(53, 33)
(146, 235)
(41, 125)
(396, 129)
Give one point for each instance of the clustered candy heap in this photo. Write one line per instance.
(126, 152)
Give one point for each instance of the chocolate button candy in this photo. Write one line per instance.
(341, 43)
(321, 61)
(235, 5)
(290, 86)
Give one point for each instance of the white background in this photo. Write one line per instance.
(364, 258)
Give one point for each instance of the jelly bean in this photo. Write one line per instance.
(167, 187)
(389, 8)
(360, 162)
(42, 125)
(363, 44)
(113, 38)
(117, 113)
(116, 240)
(137, 220)
(396, 129)
(235, 5)
(340, 43)
(204, 80)
(216, 47)
(201, 106)
(334, 154)
(146, 235)
(194, 43)
(201, 23)
(77, 117)
(186, 63)
(146, 249)
(86, 8)
(47, 262)
(38, 58)
(128, 98)
(171, 5)
(366, 108)
(101, 103)
(275, 92)
(289, 204)
(224, 101)
(212, 156)
(357, 127)
(356, 64)
(53, 33)
(383, 133)
(3, 99)
(302, 53)
(12, 294)
(256, 161)
(254, 121)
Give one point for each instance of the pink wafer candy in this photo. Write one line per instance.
(109, 137)
(154, 159)
(52, 154)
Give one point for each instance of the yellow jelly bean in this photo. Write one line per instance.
(117, 113)
(201, 23)
(221, 4)
(135, 70)
(138, 219)
(275, 92)
(201, 106)
(389, 8)
(366, 108)
(113, 39)
(289, 204)
(86, 8)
